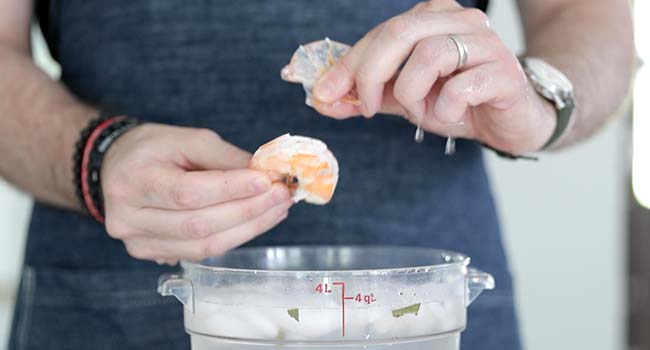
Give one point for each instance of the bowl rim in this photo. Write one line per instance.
(457, 260)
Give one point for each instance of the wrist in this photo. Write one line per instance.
(62, 174)
(546, 121)
(93, 144)
(551, 85)
(127, 143)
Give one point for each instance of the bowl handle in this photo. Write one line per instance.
(178, 287)
(477, 281)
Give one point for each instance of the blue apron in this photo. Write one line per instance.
(215, 64)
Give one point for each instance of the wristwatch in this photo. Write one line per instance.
(554, 86)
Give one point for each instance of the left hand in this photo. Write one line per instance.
(490, 94)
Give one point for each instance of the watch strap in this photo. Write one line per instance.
(563, 118)
(507, 155)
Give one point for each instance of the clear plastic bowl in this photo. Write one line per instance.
(327, 296)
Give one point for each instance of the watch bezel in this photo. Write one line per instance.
(544, 80)
(558, 89)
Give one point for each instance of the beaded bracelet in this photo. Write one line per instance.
(93, 143)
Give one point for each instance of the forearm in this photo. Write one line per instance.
(591, 42)
(40, 122)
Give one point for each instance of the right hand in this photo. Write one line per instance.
(175, 193)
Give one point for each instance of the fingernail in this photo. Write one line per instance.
(280, 195)
(260, 184)
(365, 110)
(324, 89)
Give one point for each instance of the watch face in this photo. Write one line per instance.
(548, 77)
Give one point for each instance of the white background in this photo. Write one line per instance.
(563, 219)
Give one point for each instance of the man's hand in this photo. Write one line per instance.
(489, 94)
(173, 193)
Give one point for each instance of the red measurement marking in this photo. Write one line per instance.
(342, 284)
(367, 298)
(324, 288)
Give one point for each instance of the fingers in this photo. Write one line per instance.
(204, 149)
(432, 58)
(343, 110)
(154, 191)
(339, 80)
(170, 250)
(337, 109)
(437, 6)
(180, 190)
(178, 168)
(483, 84)
(374, 62)
(193, 224)
(395, 42)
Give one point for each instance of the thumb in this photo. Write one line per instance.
(340, 78)
(205, 149)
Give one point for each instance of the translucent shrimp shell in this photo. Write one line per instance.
(311, 61)
(304, 164)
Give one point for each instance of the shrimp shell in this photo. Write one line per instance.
(304, 164)
(311, 61)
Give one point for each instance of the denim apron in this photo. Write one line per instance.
(215, 64)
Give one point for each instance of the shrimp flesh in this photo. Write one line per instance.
(304, 164)
(310, 62)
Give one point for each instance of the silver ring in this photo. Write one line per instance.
(462, 50)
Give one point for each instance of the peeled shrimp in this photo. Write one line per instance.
(310, 62)
(304, 164)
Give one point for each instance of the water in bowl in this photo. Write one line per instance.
(398, 327)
